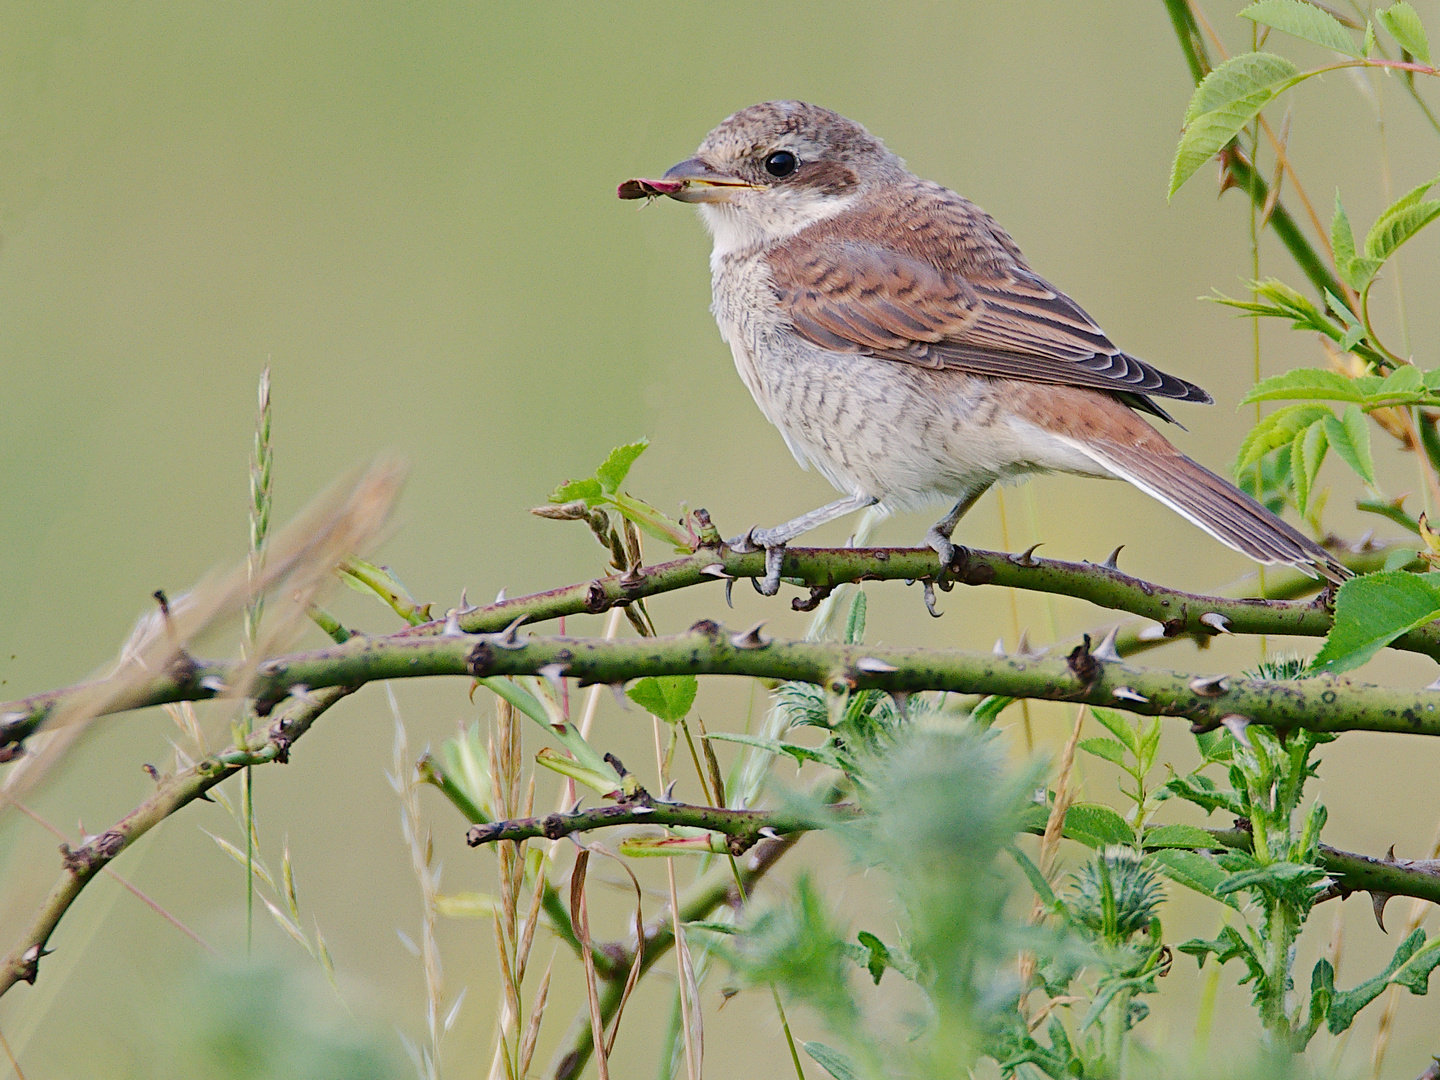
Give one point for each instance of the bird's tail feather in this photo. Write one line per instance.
(1215, 505)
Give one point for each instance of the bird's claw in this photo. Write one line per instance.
(769, 585)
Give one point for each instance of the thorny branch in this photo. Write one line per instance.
(1175, 613)
(295, 690)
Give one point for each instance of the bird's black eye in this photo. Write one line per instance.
(781, 163)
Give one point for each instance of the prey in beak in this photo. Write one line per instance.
(691, 181)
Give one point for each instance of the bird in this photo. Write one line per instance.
(896, 336)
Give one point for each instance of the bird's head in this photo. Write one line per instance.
(770, 170)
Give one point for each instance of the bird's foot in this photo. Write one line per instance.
(944, 547)
(774, 548)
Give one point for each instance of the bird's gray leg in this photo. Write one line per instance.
(938, 537)
(774, 540)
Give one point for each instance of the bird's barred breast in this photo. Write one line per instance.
(908, 436)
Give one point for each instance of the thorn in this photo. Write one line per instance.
(466, 607)
(1025, 650)
(1025, 558)
(633, 576)
(750, 639)
(999, 647)
(669, 795)
(1216, 622)
(769, 833)
(1124, 693)
(507, 638)
(1113, 562)
(618, 689)
(214, 683)
(729, 584)
(499, 596)
(1153, 632)
(716, 570)
(1208, 685)
(872, 666)
(745, 544)
(152, 772)
(555, 676)
(901, 698)
(1236, 725)
(930, 599)
(452, 624)
(1106, 649)
(1378, 900)
(651, 809)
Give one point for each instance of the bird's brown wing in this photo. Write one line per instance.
(944, 291)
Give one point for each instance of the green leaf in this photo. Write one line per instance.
(1179, 836)
(1356, 271)
(1224, 102)
(1270, 878)
(1276, 430)
(1345, 1004)
(990, 708)
(1306, 455)
(1406, 28)
(855, 620)
(1097, 826)
(617, 466)
(1193, 869)
(1414, 973)
(832, 1061)
(1305, 383)
(1350, 438)
(824, 755)
(879, 955)
(1371, 612)
(1108, 749)
(1393, 229)
(1305, 21)
(667, 696)
(575, 490)
(1369, 37)
(1117, 725)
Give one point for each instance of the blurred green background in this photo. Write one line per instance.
(408, 211)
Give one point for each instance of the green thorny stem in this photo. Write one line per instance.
(260, 503)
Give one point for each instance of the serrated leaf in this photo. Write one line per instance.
(668, 697)
(1307, 453)
(1225, 101)
(1116, 723)
(823, 755)
(1193, 869)
(1108, 749)
(1356, 271)
(1276, 430)
(611, 474)
(1345, 1004)
(1405, 27)
(1414, 973)
(1179, 836)
(577, 490)
(832, 1061)
(1097, 826)
(1350, 438)
(1371, 612)
(1305, 21)
(1393, 229)
(1405, 379)
(1369, 46)
(1305, 383)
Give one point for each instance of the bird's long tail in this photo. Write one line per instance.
(1214, 504)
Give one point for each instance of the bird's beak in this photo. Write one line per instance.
(691, 181)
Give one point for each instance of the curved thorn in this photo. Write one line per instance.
(1106, 650)
(716, 570)
(1216, 622)
(872, 666)
(507, 638)
(1113, 562)
(555, 676)
(1236, 725)
(1124, 693)
(1208, 685)
(750, 639)
(1025, 558)
(729, 585)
